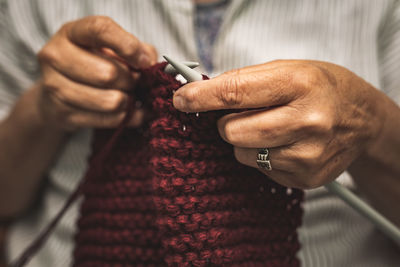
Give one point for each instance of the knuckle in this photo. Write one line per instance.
(309, 162)
(107, 74)
(307, 77)
(230, 90)
(115, 102)
(99, 25)
(50, 85)
(64, 29)
(130, 47)
(317, 123)
(152, 50)
(312, 163)
(65, 26)
(231, 132)
(48, 54)
(312, 157)
(190, 95)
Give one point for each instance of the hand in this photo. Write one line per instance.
(85, 74)
(316, 118)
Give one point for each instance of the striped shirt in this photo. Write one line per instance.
(361, 35)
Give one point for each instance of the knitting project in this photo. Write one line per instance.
(173, 194)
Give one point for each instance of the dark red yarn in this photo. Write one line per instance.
(172, 194)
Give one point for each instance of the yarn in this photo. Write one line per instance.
(172, 194)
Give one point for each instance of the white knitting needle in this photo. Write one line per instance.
(334, 187)
(171, 70)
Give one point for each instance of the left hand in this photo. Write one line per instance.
(315, 118)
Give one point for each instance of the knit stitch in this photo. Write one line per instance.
(173, 194)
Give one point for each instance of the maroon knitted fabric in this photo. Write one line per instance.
(172, 194)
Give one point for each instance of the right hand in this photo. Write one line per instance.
(85, 74)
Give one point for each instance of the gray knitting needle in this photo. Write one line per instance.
(383, 224)
(171, 70)
(189, 74)
(168, 68)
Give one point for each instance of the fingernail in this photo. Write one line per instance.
(179, 102)
(143, 61)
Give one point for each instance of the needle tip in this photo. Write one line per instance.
(189, 74)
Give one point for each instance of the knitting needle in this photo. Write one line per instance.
(168, 69)
(171, 70)
(383, 224)
(362, 207)
(190, 75)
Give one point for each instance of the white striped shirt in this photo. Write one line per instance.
(361, 35)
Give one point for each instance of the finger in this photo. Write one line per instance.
(248, 156)
(99, 31)
(305, 165)
(120, 61)
(265, 66)
(90, 119)
(137, 119)
(88, 68)
(294, 158)
(262, 128)
(151, 52)
(83, 96)
(84, 118)
(232, 90)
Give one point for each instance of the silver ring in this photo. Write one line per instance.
(263, 161)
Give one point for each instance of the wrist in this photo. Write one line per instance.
(28, 148)
(27, 117)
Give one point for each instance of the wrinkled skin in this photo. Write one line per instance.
(316, 118)
(85, 74)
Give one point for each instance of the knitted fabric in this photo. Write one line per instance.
(172, 194)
